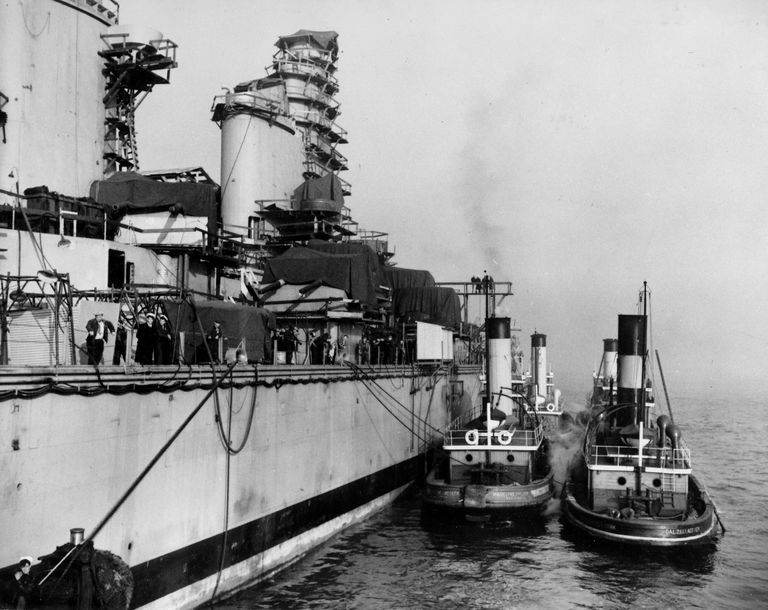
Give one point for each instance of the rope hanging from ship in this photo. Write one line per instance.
(226, 437)
(370, 382)
(85, 548)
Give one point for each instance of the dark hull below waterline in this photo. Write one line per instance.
(182, 568)
(644, 532)
(532, 517)
(487, 502)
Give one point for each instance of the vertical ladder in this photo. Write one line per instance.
(131, 69)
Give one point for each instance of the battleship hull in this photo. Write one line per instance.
(312, 450)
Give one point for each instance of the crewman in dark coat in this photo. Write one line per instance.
(22, 583)
(98, 334)
(146, 338)
(316, 349)
(121, 338)
(212, 338)
(164, 347)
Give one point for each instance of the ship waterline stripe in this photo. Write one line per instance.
(240, 576)
(186, 567)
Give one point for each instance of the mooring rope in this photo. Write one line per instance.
(145, 472)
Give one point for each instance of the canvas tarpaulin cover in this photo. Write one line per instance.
(325, 39)
(398, 277)
(349, 272)
(238, 322)
(320, 193)
(436, 305)
(129, 192)
(372, 261)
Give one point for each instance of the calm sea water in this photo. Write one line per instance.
(397, 559)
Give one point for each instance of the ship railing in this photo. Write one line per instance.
(256, 232)
(49, 212)
(526, 440)
(658, 457)
(307, 55)
(309, 93)
(303, 67)
(376, 240)
(315, 167)
(249, 101)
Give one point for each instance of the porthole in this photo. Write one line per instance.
(469, 457)
(621, 481)
(510, 458)
(657, 482)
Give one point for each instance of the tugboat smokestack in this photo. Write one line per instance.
(500, 361)
(539, 365)
(608, 367)
(630, 366)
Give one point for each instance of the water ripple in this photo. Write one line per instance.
(397, 561)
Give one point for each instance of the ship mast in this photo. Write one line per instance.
(642, 415)
(487, 291)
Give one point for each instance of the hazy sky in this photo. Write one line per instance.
(575, 148)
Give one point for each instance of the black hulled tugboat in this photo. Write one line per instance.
(634, 482)
(494, 466)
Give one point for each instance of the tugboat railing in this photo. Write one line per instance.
(658, 457)
(474, 438)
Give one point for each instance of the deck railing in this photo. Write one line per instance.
(498, 438)
(619, 455)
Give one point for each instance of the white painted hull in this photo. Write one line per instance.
(313, 435)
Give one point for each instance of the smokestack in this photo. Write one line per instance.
(630, 366)
(608, 367)
(539, 364)
(499, 363)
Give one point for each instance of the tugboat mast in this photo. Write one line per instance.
(642, 415)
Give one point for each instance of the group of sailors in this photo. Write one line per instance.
(322, 348)
(482, 284)
(154, 340)
(154, 344)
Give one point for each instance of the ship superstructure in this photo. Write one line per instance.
(270, 377)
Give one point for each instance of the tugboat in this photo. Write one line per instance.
(495, 465)
(634, 482)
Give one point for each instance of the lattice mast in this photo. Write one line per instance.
(135, 60)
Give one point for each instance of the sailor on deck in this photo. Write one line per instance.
(22, 582)
(98, 334)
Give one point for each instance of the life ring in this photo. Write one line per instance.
(550, 407)
(472, 437)
(504, 436)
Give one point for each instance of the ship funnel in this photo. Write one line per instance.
(608, 366)
(539, 366)
(630, 366)
(500, 363)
